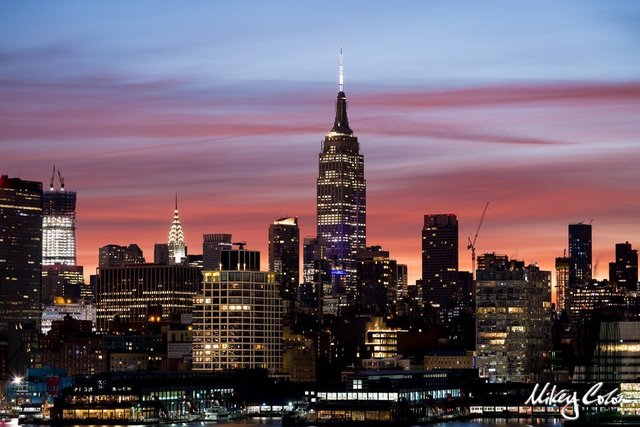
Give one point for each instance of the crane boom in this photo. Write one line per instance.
(472, 243)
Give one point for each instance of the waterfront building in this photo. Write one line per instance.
(435, 360)
(341, 196)
(20, 250)
(176, 244)
(133, 292)
(580, 263)
(237, 316)
(616, 358)
(439, 258)
(513, 320)
(562, 282)
(623, 272)
(212, 246)
(284, 255)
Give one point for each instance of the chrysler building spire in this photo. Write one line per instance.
(177, 248)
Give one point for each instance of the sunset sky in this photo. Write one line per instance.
(534, 108)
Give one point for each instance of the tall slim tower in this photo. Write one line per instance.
(177, 248)
(341, 197)
(20, 250)
(579, 254)
(439, 257)
(284, 255)
(58, 224)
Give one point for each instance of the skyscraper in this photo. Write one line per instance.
(623, 272)
(237, 317)
(118, 256)
(20, 250)
(59, 225)
(284, 255)
(439, 257)
(212, 246)
(341, 193)
(513, 321)
(579, 254)
(177, 248)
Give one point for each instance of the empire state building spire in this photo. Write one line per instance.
(177, 248)
(341, 123)
(341, 196)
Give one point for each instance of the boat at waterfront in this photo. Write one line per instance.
(216, 413)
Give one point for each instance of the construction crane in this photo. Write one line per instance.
(472, 243)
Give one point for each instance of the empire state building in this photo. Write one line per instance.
(341, 199)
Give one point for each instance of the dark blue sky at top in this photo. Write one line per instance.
(386, 44)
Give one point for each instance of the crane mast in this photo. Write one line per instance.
(472, 243)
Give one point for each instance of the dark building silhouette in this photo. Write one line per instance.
(623, 272)
(212, 245)
(439, 257)
(579, 254)
(341, 196)
(118, 256)
(161, 253)
(377, 281)
(284, 255)
(20, 250)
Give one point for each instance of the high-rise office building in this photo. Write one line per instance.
(284, 255)
(623, 272)
(59, 225)
(439, 258)
(177, 248)
(562, 282)
(579, 254)
(20, 250)
(377, 281)
(133, 292)
(212, 246)
(341, 194)
(237, 317)
(513, 322)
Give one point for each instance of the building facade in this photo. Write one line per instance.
(513, 323)
(237, 317)
(580, 263)
(439, 258)
(284, 255)
(212, 246)
(341, 195)
(562, 282)
(623, 272)
(20, 250)
(59, 225)
(134, 291)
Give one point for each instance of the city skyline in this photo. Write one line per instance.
(547, 141)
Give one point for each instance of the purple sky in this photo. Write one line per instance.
(533, 108)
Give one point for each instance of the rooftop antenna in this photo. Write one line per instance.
(53, 175)
(341, 78)
(176, 200)
(61, 180)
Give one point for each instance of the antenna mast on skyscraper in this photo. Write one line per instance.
(53, 175)
(341, 78)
